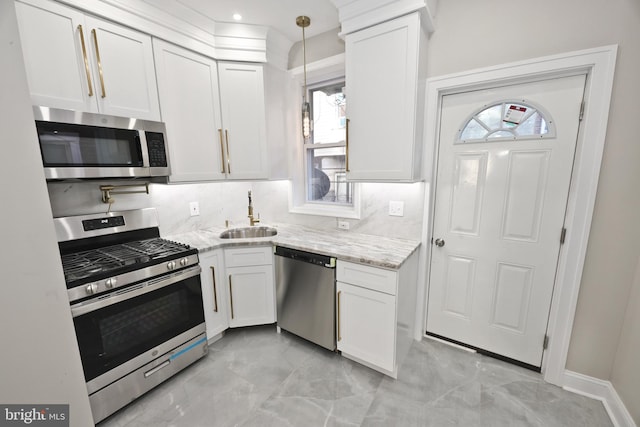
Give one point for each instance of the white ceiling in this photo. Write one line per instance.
(277, 14)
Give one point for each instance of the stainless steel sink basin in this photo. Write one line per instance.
(248, 232)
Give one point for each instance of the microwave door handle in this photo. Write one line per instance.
(143, 150)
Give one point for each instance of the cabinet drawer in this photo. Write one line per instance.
(377, 279)
(238, 257)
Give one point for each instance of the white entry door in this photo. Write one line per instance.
(504, 169)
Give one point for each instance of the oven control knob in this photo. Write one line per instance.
(184, 261)
(110, 283)
(171, 265)
(92, 289)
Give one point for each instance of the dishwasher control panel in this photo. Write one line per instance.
(311, 258)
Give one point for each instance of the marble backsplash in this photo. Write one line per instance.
(228, 201)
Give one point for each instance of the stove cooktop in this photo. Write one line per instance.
(100, 263)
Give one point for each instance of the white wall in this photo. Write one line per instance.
(39, 360)
(471, 34)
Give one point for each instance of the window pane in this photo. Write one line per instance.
(473, 130)
(326, 177)
(506, 120)
(534, 125)
(492, 116)
(329, 119)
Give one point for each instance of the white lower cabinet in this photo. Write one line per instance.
(366, 325)
(251, 286)
(376, 313)
(214, 295)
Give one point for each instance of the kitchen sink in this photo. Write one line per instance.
(248, 232)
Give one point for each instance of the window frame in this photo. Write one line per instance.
(550, 123)
(298, 186)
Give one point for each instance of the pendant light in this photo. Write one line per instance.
(303, 22)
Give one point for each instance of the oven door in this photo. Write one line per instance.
(121, 331)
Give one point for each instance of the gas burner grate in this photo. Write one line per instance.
(85, 264)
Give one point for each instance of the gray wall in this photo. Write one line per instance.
(626, 375)
(318, 47)
(472, 34)
(39, 361)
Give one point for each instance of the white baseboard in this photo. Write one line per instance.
(603, 391)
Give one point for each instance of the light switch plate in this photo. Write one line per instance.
(396, 208)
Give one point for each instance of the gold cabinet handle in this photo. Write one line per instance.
(338, 307)
(215, 293)
(226, 134)
(231, 296)
(95, 42)
(346, 150)
(221, 150)
(86, 60)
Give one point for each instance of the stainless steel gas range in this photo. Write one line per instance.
(136, 302)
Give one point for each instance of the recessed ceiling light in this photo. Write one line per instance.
(237, 17)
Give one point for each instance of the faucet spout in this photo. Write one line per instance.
(252, 219)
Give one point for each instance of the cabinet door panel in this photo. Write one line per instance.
(56, 72)
(214, 293)
(366, 325)
(251, 295)
(243, 116)
(381, 81)
(188, 87)
(128, 74)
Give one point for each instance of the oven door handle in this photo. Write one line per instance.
(133, 291)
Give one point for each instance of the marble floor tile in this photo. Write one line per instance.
(257, 377)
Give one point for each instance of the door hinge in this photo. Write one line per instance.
(581, 111)
(545, 343)
(563, 235)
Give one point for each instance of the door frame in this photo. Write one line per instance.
(599, 66)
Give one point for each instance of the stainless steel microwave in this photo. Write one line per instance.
(85, 145)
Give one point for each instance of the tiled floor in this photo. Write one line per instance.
(256, 377)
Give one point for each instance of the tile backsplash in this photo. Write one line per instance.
(220, 201)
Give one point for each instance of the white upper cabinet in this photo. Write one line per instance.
(126, 79)
(188, 86)
(243, 117)
(215, 132)
(82, 63)
(385, 100)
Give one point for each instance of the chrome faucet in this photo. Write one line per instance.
(252, 220)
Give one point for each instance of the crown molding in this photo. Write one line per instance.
(183, 26)
(356, 15)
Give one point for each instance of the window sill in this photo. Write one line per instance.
(352, 212)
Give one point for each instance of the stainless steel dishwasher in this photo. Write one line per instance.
(305, 293)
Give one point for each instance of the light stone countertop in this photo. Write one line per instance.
(377, 251)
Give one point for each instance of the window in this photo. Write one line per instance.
(507, 120)
(324, 151)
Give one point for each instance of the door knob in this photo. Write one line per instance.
(439, 243)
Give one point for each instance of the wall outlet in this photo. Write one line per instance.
(396, 208)
(343, 225)
(194, 208)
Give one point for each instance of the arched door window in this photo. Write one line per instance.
(510, 120)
